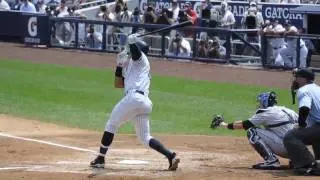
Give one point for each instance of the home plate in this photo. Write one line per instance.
(133, 162)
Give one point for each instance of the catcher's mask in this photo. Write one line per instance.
(267, 99)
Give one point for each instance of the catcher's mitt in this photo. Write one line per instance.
(216, 121)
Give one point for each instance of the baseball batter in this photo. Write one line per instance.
(268, 142)
(133, 74)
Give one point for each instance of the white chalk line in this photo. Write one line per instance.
(49, 143)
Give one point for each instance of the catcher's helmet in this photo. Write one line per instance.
(267, 99)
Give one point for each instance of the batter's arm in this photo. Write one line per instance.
(118, 78)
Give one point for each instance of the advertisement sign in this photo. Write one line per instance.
(269, 11)
(36, 29)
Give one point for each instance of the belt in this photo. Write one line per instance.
(278, 124)
(277, 47)
(136, 91)
(140, 92)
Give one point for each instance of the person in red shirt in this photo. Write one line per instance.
(191, 14)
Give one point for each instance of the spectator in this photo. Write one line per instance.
(16, 5)
(105, 15)
(136, 18)
(42, 7)
(164, 17)
(121, 4)
(94, 39)
(290, 1)
(203, 49)
(150, 17)
(252, 17)
(309, 45)
(191, 14)
(4, 6)
(215, 50)
(227, 20)
(175, 11)
(27, 6)
(125, 31)
(277, 43)
(289, 54)
(62, 9)
(180, 46)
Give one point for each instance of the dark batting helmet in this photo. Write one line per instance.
(143, 46)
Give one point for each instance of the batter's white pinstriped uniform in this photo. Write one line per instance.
(135, 105)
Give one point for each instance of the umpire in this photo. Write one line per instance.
(308, 132)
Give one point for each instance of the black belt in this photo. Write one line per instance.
(140, 92)
(278, 124)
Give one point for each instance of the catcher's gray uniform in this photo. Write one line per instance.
(277, 121)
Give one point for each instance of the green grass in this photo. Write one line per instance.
(79, 97)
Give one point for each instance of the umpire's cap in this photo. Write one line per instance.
(305, 73)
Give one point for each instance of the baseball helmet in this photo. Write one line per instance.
(267, 99)
(143, 46)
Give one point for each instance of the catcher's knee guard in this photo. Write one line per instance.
(259, 145)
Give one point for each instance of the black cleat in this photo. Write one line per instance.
(173, 162)
(98, 162)
(268, 165)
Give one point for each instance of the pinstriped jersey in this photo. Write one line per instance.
(137, 75)
(275, 115)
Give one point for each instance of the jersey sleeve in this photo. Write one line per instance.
(259, 119)
(304, 99)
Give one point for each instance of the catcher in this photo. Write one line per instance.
(267, 141)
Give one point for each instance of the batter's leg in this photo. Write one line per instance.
(121, 113)
(142, 128)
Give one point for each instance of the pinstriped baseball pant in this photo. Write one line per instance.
(274, 142)
(133, 107)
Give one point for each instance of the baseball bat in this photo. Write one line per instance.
(176, 26)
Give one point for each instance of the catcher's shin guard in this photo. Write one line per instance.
(263, 149)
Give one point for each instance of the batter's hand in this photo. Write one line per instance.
(216, 121)
(122, 57)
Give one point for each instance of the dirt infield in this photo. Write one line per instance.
(46, 151)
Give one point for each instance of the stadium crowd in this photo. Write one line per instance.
(208, 45)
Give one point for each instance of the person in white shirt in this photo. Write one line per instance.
(27, 6)
(267, 141)
(42, 7)
(277, 44)
(227, 18)
(106, 15)
(133, 75)
(93, 39)
(180, 46)
(175, 10)
(4, 6)
(289, 54)
(62, 9)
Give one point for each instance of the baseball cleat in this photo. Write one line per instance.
(173, 162)
(267, 165)
(98, 162)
